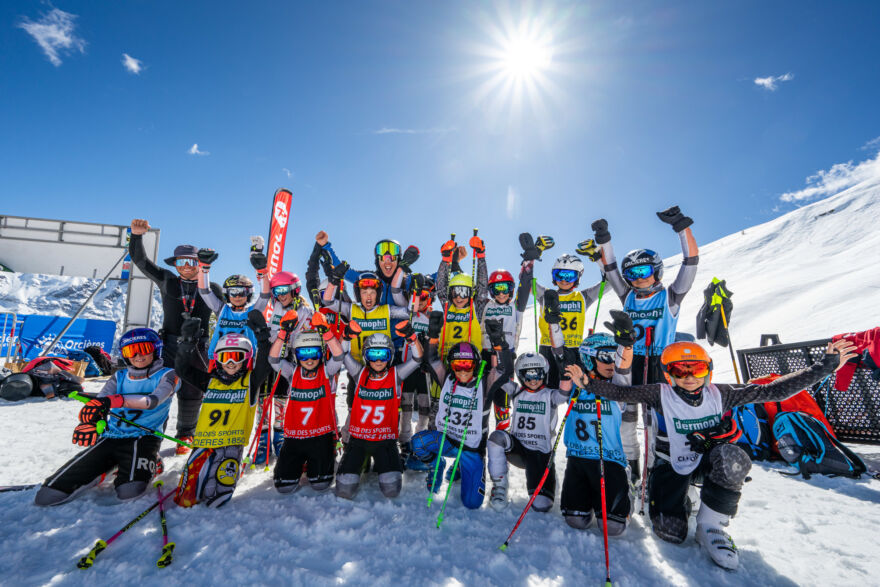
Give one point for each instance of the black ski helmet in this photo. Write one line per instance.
(368, 275)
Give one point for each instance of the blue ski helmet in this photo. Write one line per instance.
(592, 345)
(136, 335)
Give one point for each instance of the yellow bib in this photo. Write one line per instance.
(573, 308)
(226, 418)
(376, 320)
(461, 326)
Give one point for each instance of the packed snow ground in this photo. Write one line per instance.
(797, 276)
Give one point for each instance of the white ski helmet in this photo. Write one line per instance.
(307, 338)
(528, 362)
(235, 342)
(568, 262)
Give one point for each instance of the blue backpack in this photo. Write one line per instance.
(756, 436)
(805, 443)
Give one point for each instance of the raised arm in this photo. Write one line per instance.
(153, 272)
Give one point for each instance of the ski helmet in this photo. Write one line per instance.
(237, 281)
(592, 345)
(644, 257)
(531, 366)
(308, 339)
(234, 342)
(461, 280)
(286, 278)
(368, 280)
(137, 336)
(568, 263)
(462, 351)
(378, 340)
(678, 352)
(16, 387)
(428, 287)
(501, 276)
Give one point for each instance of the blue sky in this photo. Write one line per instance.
(397, 119)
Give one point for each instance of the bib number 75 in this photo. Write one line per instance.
(378, 414)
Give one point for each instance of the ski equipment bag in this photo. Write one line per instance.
(806, 444)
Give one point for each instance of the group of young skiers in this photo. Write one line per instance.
(430, 359)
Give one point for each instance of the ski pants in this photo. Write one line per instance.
(582, 494)
(504, 448)
(211, 475)
(426, 446)
(318, 454)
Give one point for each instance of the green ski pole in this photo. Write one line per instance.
(535, 308)
(598, 303)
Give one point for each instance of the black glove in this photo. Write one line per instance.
(674, 217)
(207, 256)
(551, 307)
(410, 256)
(258, 261)
(530, 251)
(600, 230)
(726, 431)
(435, 324)
(257, 323)
(337, 274)
(418, 282)
(495, 332)
(589, 249)
(191, 329)
(95, 411)
(622, 328)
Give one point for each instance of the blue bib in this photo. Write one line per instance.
(652, 312)
(581, 430)
(154, 418)
(229, 321)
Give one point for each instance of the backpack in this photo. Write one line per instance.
(757, 438)
(806, 444)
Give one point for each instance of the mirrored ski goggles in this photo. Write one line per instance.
(606, 356)
(463, 364)
(368, 283)
(138, 348)
(307, 353)
(460, 291)
(638, 272)
(231, 356)
(532, 375)
(280, 290)
(685, 368)
(502, 287)
(567, 275)
(236, 291)
(426, 296)
(185, 262)
(387, 248)
(377, 354)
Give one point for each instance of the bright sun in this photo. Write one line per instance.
(525, 56)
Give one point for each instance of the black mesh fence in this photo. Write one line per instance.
(854, 414)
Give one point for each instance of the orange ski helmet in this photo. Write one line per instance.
(684, 351)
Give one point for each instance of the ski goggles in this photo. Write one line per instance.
(185, 262)
(426, 296)
(566, 275)
(682, 369)
(138, 348)
(368, 283)
(502, 287)
(307, 353)
(606, 356)
(460, 291)
(237, 291)
(387, 248)
(638, 272)
(281, 290)
(231, 356)
(463, 364)
(377, 354)
(532, 375)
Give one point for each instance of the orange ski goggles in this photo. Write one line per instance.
(138, 348)
(682, 369)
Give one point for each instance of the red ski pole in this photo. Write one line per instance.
(602, 490)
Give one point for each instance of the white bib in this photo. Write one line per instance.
(682, 419)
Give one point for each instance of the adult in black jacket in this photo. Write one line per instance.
(180, 300)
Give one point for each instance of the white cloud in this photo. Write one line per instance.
(54, 33)
(131, 64)
(770, 82)
(512, 202)
(840, 177)
(287, 171)
(872, 144)
(412, 131)
(194, 150)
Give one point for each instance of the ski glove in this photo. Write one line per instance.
(352, 330)
(288, 324)
(530, 251)
(97, 408)
(337, 274)
(257, 323)
(674, 217)
(478, 246)
(625, 333)
(191, 329)
(495, 332)
(544, 242)
(207, 256)
(589, 249)
(552, 314)
(702, 441)
(600, 231)
(85, 435)
(319, 323)
(259, 261)
(502, 417)
(435, 324)
(405, 330)
(410, 256)
(447, 250)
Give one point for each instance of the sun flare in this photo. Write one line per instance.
(524, 56)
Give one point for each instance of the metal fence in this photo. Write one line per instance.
(854, 414)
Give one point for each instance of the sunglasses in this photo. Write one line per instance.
(280, 290)
(681, 369)
(138, 348)
(185, 262)
(461, 291)
(463, 364)
(532, 375)
(368, 283)
(234, 292)
(567, 275)
(377, 354)
(502, 287)
(307, 353)
(387, 248)
(233, 356)
(638, 272)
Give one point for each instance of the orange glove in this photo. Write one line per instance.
(447, 250)
(478, 246)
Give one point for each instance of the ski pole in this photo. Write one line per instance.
(267, 404)
(602, 489)
(251, 451)
(645, 420)
(89, 559)
(101, 425)
(535, 308)
(598, 303)
(729, 343)
(167, 547)
(537, 490)
(474, 270)
(439, 455)
(461, 445)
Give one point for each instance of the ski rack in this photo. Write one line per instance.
(854, 413)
